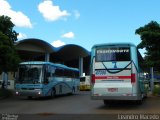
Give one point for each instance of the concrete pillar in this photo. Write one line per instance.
(47, 57)
(152, 79)
(5, 78)
(80, 66)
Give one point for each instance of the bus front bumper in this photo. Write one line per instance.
(85, 87)
(32, 93)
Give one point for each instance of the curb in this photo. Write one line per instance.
(7, 94)
(3, 97)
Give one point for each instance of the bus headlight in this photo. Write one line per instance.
(17, 93)
(39, 93)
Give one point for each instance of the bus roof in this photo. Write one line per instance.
(114, 44)
(50, 63)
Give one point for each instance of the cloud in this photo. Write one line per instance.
(77, 14)
(68, 35)
(17, 17)
(57, 43)
(21, 36)
(51, 12)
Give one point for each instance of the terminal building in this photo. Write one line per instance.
(39, 50)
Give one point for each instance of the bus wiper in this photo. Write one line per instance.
(113, 72)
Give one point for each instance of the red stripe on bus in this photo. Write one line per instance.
(112, 77)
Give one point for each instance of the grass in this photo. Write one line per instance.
(5, 93)
(156, 90)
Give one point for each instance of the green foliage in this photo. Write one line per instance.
(9, 59)
(6, 27)
(150, 36)
(156, 90)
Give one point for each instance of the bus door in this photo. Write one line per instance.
(49, 79)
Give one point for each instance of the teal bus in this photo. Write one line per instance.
(38, 79)
(117, 73)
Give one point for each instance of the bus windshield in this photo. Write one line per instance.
(113, 54)
(30, 74)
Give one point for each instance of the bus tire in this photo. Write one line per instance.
(106, 102)
(29, 97)
(145, 96)
(139, 102)
(53, 93)
(73, 90)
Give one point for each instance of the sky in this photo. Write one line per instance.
(80, 22)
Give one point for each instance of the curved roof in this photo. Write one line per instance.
(66, 52)
(71, 51)
(35, 45)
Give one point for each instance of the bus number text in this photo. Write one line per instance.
(100, 72)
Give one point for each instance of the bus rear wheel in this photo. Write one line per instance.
(139, 102)
(107, 102)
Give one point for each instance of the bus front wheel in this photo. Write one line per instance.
(73, 90)
(29, 97)
(53, 93)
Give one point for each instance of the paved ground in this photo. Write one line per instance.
(79, 104)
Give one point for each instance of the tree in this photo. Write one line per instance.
(6, 27)
(9, 59)
(150, 40)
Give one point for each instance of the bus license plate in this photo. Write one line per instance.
(112, 89)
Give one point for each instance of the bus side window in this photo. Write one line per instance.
(52, 71)
(59, 72)
(65, 73)
(70, 75)
(77, 74)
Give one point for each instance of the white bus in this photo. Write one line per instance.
(116, 73)
(38, 79)
(85, 83)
